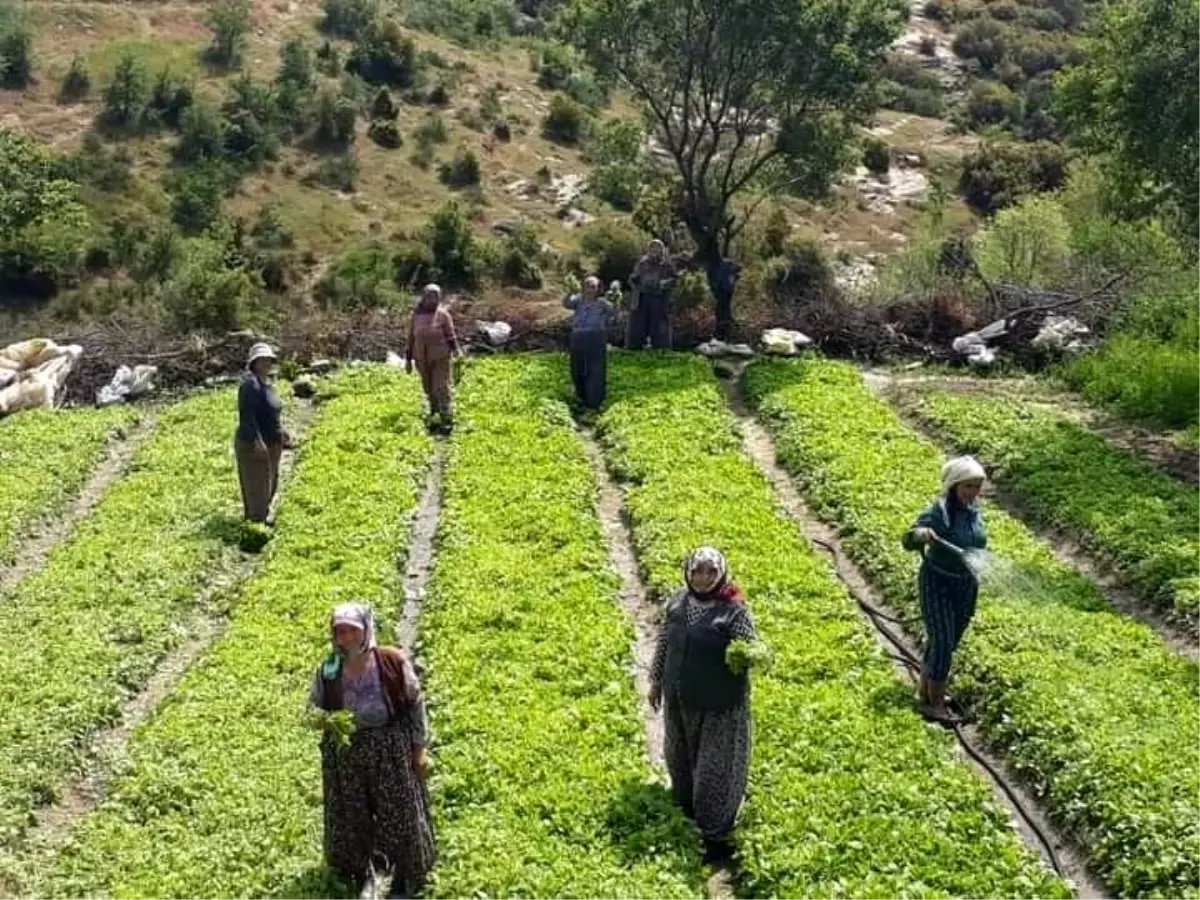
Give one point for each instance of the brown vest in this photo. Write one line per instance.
(390, 661)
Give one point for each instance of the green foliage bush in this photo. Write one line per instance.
(877, 156)
(1026, 244)
(613, 248)
(77, 83)
(983, 40)
(196, 195)
(992, 103)
(127, 92)
(361, 278)
(335, 116)
(169, 99)
(16, 48)
(347, 18)
(462, 171)
(204, 292)
(229, 21)
(386, 134)
(565, 122)
(383, 55)
(999, 174)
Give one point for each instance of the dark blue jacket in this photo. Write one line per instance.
(259, 409)
(951, 521)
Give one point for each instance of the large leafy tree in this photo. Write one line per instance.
(745, 95)
(1136, 101)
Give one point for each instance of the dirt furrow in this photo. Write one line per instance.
(50, 532)
(889, 630)
(635, 598)
(420, 550)
(107, 750)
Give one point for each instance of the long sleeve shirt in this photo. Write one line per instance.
(431, 336)
(364, 696)
(259, 411)
(595, 314)
(960, 525)
(650, 277)
(742, 629)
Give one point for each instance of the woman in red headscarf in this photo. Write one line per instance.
(705, 702)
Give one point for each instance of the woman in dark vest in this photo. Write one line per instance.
(376, 802)
(705, 704)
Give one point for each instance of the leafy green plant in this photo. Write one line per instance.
(76, 83)
(567, 793)
(852, 794)
(226, 767)
(111, 602)
(565, 122)
(1084, 703)
(45, 457)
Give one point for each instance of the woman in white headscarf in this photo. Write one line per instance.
(376, 802)
(948, 588)
(705, 703)
(432, 344)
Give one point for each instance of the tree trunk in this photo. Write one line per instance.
(722, 295)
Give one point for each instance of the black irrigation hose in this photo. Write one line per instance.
(907, 658)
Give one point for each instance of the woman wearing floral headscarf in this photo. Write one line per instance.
(705, 702)
(948, 588)
(376, 802)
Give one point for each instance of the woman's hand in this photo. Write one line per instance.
(655, 699)
(421, 761)
(260, 448)
(923, 535)
(286, 440)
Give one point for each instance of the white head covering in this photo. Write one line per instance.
(260, 351)
(960, 469)
(593, 282)
(358, 615)
(706, 557)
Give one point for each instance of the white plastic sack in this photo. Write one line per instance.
(782, 342)
(26, 394)
(1060, 333)
(127, 383)
(34, 372)
(395, 359)
(496, 333)
(715, 348)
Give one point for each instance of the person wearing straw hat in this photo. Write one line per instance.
(375, 797)
(432, 343)
(260, 438)
(948, 588)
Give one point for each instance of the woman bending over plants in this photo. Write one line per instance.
(947, 584)
(700, 680)
(373, 757)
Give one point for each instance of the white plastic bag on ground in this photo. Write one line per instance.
(496, 333)
(127, 383)
(715, 348)
(1061, 333)
(783, 342)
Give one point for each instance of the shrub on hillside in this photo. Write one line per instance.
(170, 98)
(383, 55)
(383, 107)
(337, 172)
(196, 196)
(346, 18)
(386, 134)
(565, 122)
(992, 103)
(362, 278)
(229, 21)
(1027, 244)
(16, 49)
(462, 171)
(997, 175)
(613, 248)
(983, 40)
(126, 95)
(201, 134)
(204, 292)
(335, 116)
(445, 251)
(76, 83)
(877, 157)
(521, 257)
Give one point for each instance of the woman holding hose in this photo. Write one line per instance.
(948, 587)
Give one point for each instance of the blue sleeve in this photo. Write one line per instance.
(248, 411)
(980, 532)
(571, 301)
(929, 518)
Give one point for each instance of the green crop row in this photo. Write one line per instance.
(223, 796)
(45, 457)
(1087, 705)
(543, 788)
(1139, 518)
(80, 636)
(851, 794)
